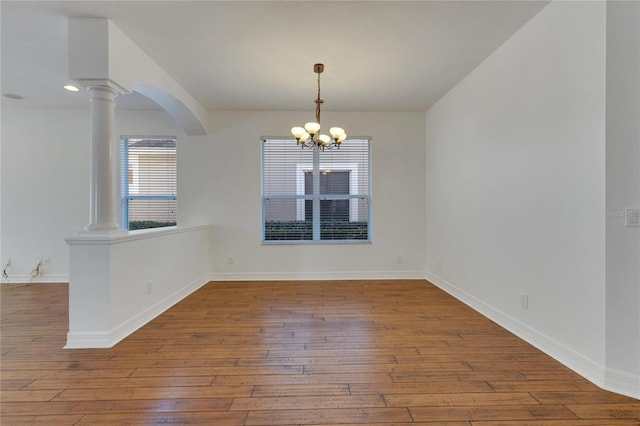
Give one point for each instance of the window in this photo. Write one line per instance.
(148, 182)
(314, 195)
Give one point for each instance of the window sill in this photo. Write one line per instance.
(311, 242)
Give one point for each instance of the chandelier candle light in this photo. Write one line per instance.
(308, 136)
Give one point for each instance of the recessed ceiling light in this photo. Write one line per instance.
(13, 96)
(71, 88)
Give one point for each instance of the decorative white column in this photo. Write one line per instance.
(103, 180)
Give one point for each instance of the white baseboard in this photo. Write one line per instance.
(119, 332)
(584, 366)
(45, 278)
(309, 276)
(88, 340)
(623, 383)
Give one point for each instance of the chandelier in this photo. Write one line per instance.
(308, 136)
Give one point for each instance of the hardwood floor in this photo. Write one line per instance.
(291, 353)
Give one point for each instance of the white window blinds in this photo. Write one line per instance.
(148, 182)
(314, 195)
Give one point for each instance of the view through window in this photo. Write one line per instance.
(148, 183)
(314, 195)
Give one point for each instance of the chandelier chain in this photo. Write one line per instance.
(318, 102)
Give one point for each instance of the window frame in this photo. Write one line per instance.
(301, 197)
(125, 196)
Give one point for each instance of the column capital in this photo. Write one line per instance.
(102, 83)
(102, 92)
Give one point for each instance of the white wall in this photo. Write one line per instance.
(515, 190)
(45, 188)
(515, 185)
(623, 191)
(45, 182)
(121, 281)
(219, 183)
(45, 169)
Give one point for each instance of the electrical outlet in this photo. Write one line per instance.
(632, 218)
(229, 260)
(149, 287)
(400, 259)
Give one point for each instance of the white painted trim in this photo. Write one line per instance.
(119, 332)
(623, 383)
(336, 275)
(121, 236)
(586, 367)
(87, 340)
(44, 279)
(102, 82)
(352, 168)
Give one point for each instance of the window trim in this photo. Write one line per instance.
(301, 196)
(124, 180)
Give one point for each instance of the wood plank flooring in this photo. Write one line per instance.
(291, 353)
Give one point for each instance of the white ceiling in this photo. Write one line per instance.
(242, 55)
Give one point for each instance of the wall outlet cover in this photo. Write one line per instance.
(632, 217)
